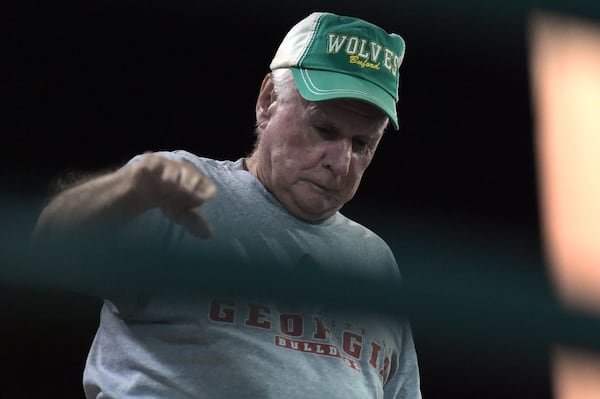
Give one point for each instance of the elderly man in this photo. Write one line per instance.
(320, 114)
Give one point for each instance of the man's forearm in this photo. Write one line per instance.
(105, 202)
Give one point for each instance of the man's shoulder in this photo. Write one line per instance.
(357, 228)
(182, 155)
(205, 164)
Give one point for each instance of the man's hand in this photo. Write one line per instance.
(178, 188)
(111, 200)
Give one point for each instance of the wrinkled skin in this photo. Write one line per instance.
(312, 155)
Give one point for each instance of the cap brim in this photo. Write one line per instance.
(320, 85)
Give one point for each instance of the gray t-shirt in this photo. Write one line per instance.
(159, 345)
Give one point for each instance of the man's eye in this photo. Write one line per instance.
(359, 144)
(326, 132)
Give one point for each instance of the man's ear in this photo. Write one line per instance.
(266, 97)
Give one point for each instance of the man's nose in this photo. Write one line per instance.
(338, 154)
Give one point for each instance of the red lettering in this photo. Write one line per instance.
(256, 317)
(316, 348)
(386, 365)
(375, 349)
(291, 324)
(321, 332)
(350, 344)
(306, 346)
(222, 311)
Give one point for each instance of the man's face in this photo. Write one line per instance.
(312, 155)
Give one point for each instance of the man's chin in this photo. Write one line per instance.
(312, 208)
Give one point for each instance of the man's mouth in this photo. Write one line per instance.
(320, 186)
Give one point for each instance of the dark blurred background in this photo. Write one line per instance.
(89, 84)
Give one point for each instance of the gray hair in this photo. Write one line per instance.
(283, 82)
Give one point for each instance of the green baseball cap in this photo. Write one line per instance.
(333, 56)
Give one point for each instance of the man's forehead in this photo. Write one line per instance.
(333, 109)
(350, 105)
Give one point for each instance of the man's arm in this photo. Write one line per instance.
(109, 201)
(72, 245)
